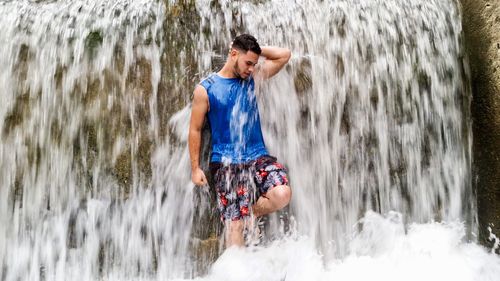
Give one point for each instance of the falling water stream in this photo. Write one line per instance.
(371, 116)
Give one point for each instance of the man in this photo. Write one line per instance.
(240, 164)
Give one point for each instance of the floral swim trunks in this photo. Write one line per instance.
(238, 186)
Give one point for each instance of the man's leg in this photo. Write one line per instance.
(272, 182)
(275, 199)
(234, 233)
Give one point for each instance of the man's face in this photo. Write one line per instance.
(244, 63)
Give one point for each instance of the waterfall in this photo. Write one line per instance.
(372, 113)
(79, 107)
(371, 116)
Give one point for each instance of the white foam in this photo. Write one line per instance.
(432, 251)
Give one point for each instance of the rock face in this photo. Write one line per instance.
(481, 23)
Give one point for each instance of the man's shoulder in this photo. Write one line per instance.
(208, 81)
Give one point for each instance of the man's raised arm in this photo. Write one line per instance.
(276, 58)
(198, 111)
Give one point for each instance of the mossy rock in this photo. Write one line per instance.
(93, 40)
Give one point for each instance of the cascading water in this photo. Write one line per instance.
(382, 121)
(372, 114)
(80, 82)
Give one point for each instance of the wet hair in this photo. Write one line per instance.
(245, 43)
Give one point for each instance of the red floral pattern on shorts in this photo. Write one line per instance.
(239, 185)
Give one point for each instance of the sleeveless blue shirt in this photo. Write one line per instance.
(234, 119)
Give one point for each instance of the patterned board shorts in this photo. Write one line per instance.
(239, 185)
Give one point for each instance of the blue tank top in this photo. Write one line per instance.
(234, 119)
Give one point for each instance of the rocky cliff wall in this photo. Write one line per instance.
(481, 23)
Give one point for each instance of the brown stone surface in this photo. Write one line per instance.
(205, 253)
(481, 24)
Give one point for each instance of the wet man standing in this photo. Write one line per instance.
(249, 182)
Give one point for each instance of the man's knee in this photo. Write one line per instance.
(286, 194)
(282, 195)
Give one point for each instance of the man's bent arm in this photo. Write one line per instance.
(198, 110)
(276, 58)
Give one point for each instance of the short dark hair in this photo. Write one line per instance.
(245, 43)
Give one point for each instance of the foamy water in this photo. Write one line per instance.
(385, 250)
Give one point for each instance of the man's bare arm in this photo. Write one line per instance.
(276, 58)
(198, 110)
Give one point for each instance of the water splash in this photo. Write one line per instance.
(493, 238)
(382, 251)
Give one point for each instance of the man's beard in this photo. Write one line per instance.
(236, 70)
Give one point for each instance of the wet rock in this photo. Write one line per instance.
(93, 90)
(179, 65)
(19, 112)
(144, 156)
(205, 253)
(302, 80)
(123, 170)
(93, 41)
(482, 31)
(140, 78)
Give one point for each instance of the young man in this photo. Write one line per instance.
(240, 164)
